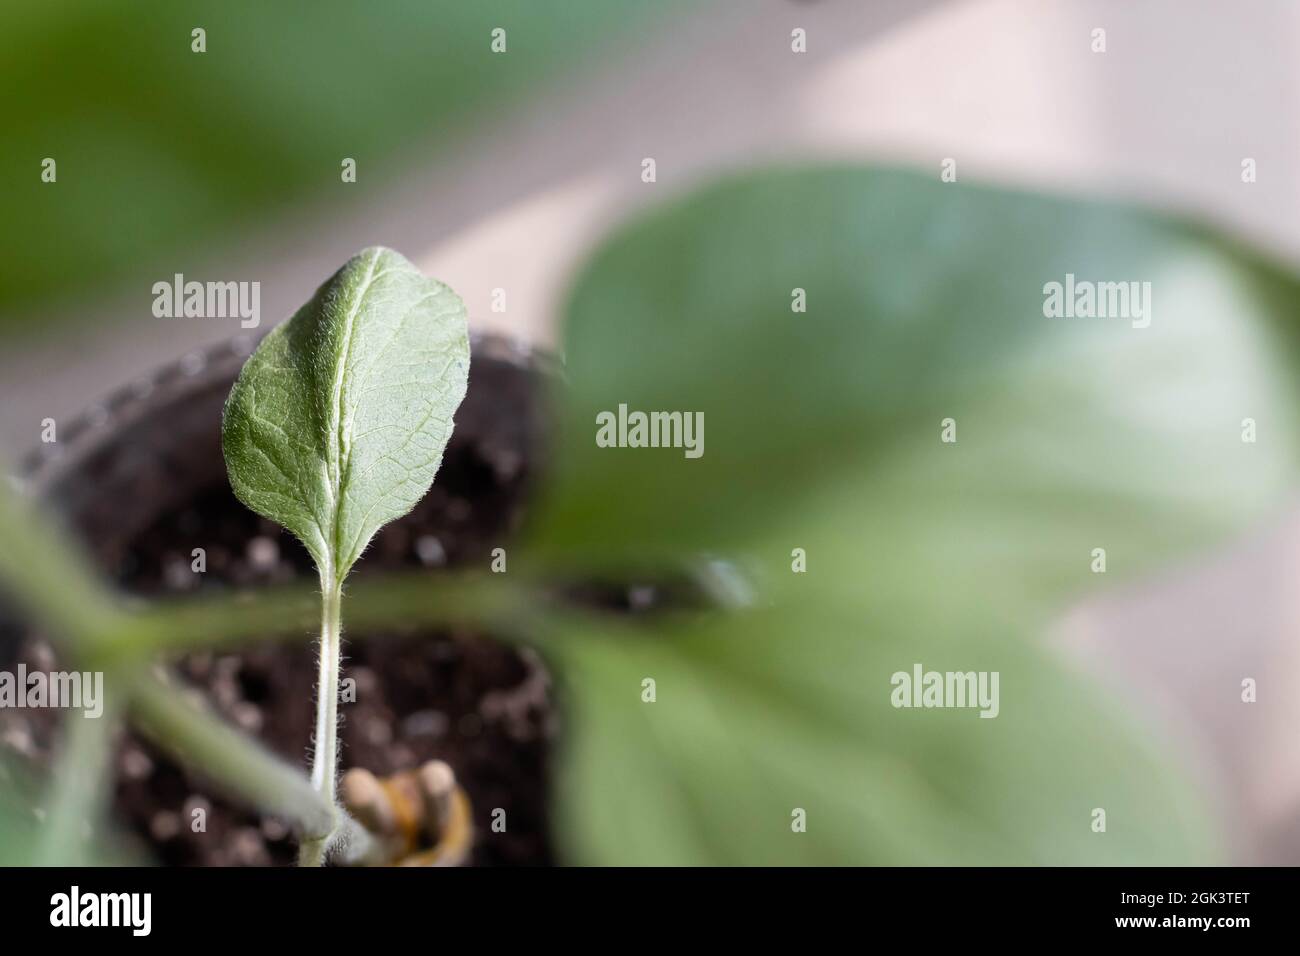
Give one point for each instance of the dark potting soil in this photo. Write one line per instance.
(480, 705)
(146, 498)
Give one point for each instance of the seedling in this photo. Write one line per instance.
(337, 426)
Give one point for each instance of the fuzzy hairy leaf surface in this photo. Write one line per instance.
(338, 422)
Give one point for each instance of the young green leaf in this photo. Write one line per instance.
(338, 422)
(336, 426)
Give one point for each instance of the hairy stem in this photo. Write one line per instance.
(324, 768)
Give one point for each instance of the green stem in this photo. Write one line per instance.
(76, 804)
(324, 768)
(49, 577)
(228, 758)
(386, 602)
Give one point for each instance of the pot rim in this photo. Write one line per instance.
(87, 432)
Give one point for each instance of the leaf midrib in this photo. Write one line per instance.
(336, 425)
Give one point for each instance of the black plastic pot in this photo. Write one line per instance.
(142, 482)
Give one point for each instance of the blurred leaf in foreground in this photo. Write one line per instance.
(764, 713)
(159, 148)
(825, 432)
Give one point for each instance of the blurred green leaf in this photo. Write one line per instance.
(925, 302)
(762, 712)
(162, 151)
